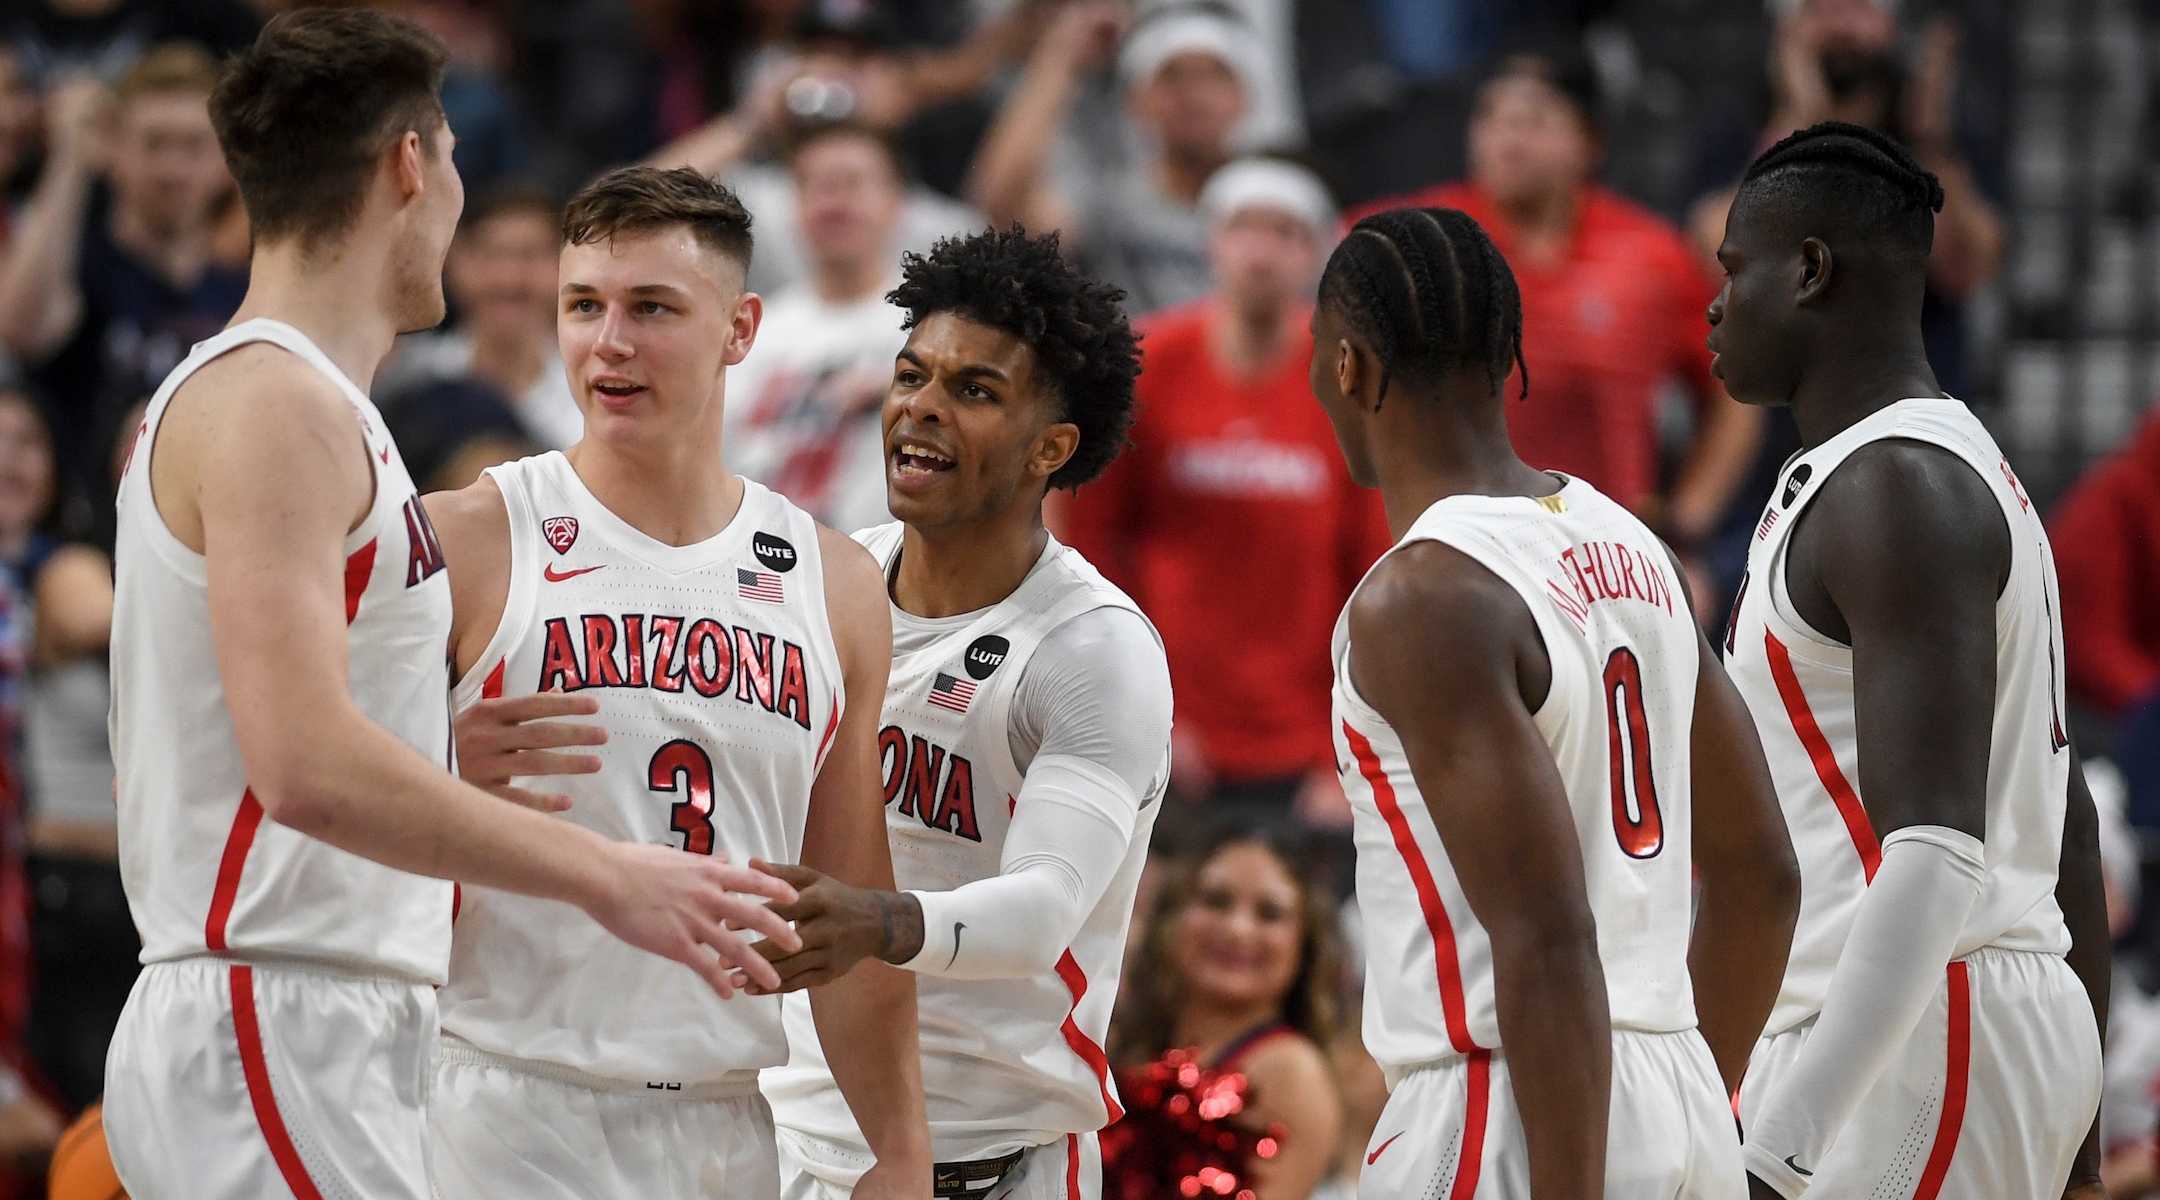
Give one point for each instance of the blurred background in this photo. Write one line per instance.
(1203, 155)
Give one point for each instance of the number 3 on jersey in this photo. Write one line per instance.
(1635, 817)
(684, 767)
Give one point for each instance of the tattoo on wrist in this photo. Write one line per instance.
(903, 932)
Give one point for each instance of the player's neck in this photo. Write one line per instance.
(672, 491)
(962, 569)
(1427, 448)
(1840, 390)
(316, 294)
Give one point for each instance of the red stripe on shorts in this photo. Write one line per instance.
(1955, 1076)
(1072, 1166)
(1471, 1162)
(1825, 759)
(257, 1070)
(237, 842)
(1437, 924)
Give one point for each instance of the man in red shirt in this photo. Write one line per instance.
(1232, 520)
(2106, 534)
(1613, 301)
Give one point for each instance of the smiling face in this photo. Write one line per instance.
(968, 431)
(1239, 937)
(502, 271)
(1759, 351)
(649, 321)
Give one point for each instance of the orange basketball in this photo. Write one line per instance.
(81, 1167)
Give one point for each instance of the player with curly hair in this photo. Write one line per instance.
(1025, 740)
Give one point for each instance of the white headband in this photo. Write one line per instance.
(1273, 184)
(1158, 40)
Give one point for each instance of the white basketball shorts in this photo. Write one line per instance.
(1069, 1168)
(1989, 1101)
(1452, 1130)
(507, 1129)
(235, 1082)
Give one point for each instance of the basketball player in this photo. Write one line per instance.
(1898, 643)
(280, 719)
(737, 651)
(1026, 740)
(1538, 748)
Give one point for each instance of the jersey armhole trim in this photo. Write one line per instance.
(519, 593)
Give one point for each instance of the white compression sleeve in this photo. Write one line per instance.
(1072, 825)
(1902, 938)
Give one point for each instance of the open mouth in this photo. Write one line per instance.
(914, 458)
(618, 389)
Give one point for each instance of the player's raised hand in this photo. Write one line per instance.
(839, 925)
(687, 907)
(505, 738)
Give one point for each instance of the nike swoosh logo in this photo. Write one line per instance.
(1382, 1150)
(553, 576)
(1796, 1166)
(957, 926)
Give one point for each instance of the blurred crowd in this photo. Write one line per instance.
(1204, 155)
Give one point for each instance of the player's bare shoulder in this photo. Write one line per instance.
(855, 598)
(257, 421)
(473, 525)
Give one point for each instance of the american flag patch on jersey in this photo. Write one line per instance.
(951, 692)
(759, 585)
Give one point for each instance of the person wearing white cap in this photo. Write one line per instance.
(1228, 441)
(1186, 71)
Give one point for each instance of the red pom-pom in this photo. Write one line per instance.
(1176, 1134)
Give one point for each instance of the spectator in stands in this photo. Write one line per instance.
(28, 1127)
(52, 39)
(837, 81)
(500, 276)
(803, 407)
(82, 933)
(2106, 534)
(1130, 211)
(450, 430)
(1613, 302)
(1840, 60)
(106, 287)
(1238, 965)
(1232, 520)
(475, 97)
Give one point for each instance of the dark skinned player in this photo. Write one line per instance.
(1539, 749)
(1898, 643)
(1026, 739)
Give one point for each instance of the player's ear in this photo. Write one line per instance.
(1817, 267)
(408, 164)
(1054, 447)
(742, 330)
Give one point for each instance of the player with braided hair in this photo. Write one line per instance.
(1540, 752)
(1898, 643)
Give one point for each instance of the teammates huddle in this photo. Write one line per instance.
(924, 768)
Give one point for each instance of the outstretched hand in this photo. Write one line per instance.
(839, 925)
(687, 907)
(506, 738)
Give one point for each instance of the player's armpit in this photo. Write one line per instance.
(1750, 878)
(1902, 556)
(1451, 657)
(473, 526)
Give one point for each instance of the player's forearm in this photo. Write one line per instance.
(1889, 971)
(1557, 1030)
(866, 1022)
(1737, 960)
(347, 781)
(2081, 893)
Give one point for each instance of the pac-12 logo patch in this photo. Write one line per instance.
(774, 551)
(1794, 482)
(984, 654)
(560, 532)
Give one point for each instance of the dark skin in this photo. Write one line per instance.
(1902, 554)
(968, 394)
(1452, 657)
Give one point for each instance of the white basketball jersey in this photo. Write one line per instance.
(1006, 1063)
(1798, 684)
(720, 689)
(205, 871)
(1618, 718)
